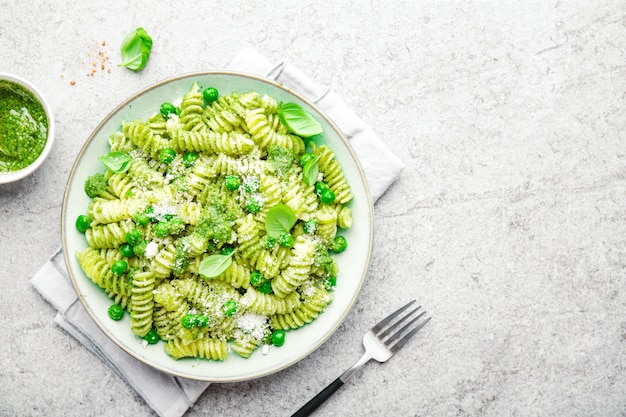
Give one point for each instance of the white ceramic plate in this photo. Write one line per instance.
(353, 263)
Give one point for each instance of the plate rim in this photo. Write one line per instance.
(268, 371)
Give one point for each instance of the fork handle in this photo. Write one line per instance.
(308, 408)
(319, 399)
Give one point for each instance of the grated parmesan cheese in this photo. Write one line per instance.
(151, 250)
(253, 324)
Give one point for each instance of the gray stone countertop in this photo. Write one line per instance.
(508, 223)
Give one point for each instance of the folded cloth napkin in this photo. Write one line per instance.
(171, 396)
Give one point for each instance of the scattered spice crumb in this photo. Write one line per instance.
(98, 60)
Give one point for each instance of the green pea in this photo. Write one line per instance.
(210, 94)
(265, 288)
(162, 229)
(167, 109)
(229, 308)
(139, 249)
(257, 278)
(269, 242)
(141, 219)
(167, 155)
(339, 244)
(188, 321)
(306, 157)
(310, 226)
(253, 205)
(116, 312)
(134, 236)
(83, 223)
(119, 267)
(232, 182)
(330, 283)
(227, 250)
(202, 320)
(152, 337)
(278, 337)
(190, 159)
(126, 249)
(286, 240)
(327, 196)
(320, 187)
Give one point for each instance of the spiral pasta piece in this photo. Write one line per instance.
(245, 346)
(297, 272)
(206, 349)
(236, 275)
(326, 223)
(157, 124)
(143, 138)
(270, 304)
(264, 132)
(192, 110)
(99, 271)
(112, 211)
(142, 302)
(344, 216)
(333, 174)
(315, 300)
(109, 235)
(163, 262)
(119, 142)
(168, 323)
(231, 143)
(121, 185)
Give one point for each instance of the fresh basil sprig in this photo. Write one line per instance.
(279, 220)
(311, 170)
(135, 49)
(214, 265)
(117, 162)
(298, 121)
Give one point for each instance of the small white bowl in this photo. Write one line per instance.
(7, 177)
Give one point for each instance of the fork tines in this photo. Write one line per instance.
(389, 335)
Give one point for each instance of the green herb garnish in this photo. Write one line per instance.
(311, 170)
(298, 121)
(135, 49)
(214, 265)
(117, 162)
(279, 220)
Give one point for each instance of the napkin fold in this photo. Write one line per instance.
(168, 395)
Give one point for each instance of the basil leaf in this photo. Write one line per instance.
(117, 162)
(135, 49)
(310, 171)
(297, 120)
(279, 220)
(214, 265)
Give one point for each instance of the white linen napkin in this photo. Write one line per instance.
(171, 396)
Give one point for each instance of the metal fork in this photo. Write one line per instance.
(381, 343)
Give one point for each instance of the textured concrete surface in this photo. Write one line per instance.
(508, 224)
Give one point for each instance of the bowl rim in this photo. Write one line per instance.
(342, 137)
(12, 176)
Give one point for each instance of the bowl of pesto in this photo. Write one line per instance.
(26, 128)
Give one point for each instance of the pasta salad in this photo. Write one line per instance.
(215, 222)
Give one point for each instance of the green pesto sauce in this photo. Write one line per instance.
(280, 158)
(216, 224)
(23, 127)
